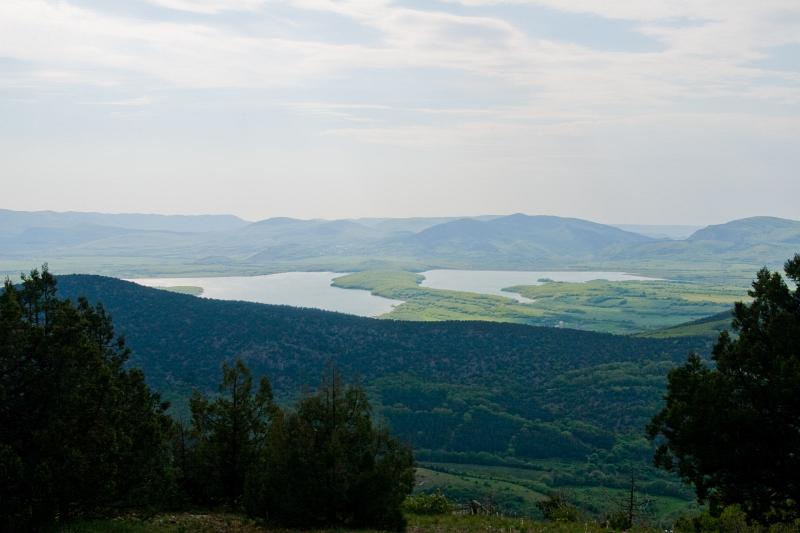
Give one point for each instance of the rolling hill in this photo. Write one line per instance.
(17, 221)
(440, 385)
(752, 231)
(753, 241)
(516, 239)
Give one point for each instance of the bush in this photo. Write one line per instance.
(617, 520)
(732, 519)
(557, 508)
(436, 503)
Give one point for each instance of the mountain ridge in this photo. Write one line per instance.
(488, 242)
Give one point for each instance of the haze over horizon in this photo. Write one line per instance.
(627, 225)
(622, 112)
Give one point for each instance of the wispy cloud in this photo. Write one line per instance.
(209, 7)
(472, 77)
(140, 101)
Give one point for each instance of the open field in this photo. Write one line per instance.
(614, 307)
(517, 489)
(710, 326)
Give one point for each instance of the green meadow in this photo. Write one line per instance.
(622, 307)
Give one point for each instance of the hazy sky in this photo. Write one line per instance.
(624, 111)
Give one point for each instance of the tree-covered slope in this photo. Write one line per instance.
(506, 389)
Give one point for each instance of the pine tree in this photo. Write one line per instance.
(80, 432)
(331, 466)
(227, 435)
(732, 429)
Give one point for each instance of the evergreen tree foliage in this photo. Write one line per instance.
(328, 464)
(733, 429)
(79, 432)
(227, 436)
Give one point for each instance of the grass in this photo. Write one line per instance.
(516, 490)
(424, 303)
(709, 327)
(497, 524)
(632, 306)
(170, 523)
(622, 307)
(224, 523)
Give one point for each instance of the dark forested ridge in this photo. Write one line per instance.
(459, 387)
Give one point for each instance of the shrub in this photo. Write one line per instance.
(436, 503)
(557, 508)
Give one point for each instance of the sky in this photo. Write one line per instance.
(619, 111)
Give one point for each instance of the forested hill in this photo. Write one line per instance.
(458, 386)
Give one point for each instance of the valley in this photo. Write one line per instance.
(572, 299)
(517, 355)
(491, 409)
(451, 266)
(422, 268)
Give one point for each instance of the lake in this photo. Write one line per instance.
(313, 289)
(493, 281)
(299, 289)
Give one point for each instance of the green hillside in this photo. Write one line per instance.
(710, 326)
(471, 393)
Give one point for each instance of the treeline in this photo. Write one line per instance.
(84, 435)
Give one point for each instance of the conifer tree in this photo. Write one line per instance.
(733, 429)
(330, 465)
(227, 435)
(81, 433)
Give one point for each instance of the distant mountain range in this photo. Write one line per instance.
(661, 231)
(135, 244)
(516, 239)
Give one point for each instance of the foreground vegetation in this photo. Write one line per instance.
(731, 428)
(731, 521)
(441, 523)
(83, 435)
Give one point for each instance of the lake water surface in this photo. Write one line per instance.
(299, 289)
(313, 289)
